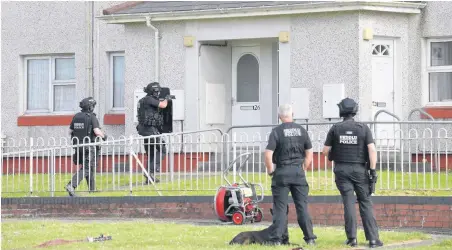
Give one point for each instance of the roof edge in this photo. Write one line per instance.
(395, 7)
(119, 7)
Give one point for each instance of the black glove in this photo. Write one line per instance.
(373, 175)
(372, 180)
(105, 137)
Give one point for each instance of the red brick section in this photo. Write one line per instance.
(438, 112)
(388, 215)
(44, 120)
(114, 119)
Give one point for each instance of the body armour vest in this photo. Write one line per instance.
(349, 145)
(290, 148)
(82, 128)
(147, 115)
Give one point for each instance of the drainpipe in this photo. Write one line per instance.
(97, 79)
(89, 42)
(156, 47)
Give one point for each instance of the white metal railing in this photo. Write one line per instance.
(412, 156)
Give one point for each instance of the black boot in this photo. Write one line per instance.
(351, 242)
(375, 243)
(149, 181)
(310, 242)
(70, 190)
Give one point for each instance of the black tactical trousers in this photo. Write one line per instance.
(290, 179)
(87, 157)
(155, 149)
(351, 178)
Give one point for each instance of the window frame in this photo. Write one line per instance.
(52, 83)
(114, 110)
(434, 69)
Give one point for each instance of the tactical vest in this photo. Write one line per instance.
(349, 145)
(82, 128)
(147, 115)
(290, 149)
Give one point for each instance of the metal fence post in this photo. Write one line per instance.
(234, 150)
(171, 158)
(31, 166)
(52, 172)
(130, 165)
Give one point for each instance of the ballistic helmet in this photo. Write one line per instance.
(88, 104)
(347, 107)
(153, 88)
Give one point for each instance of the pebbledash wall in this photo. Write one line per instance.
(391, 212)
(338, 53)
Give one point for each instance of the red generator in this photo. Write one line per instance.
(238, 202)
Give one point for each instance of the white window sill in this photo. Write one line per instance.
(117, 111)
(438, 104)
(48, 113)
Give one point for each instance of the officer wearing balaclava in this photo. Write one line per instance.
(352, 147)
(150, 122)
(84, 129)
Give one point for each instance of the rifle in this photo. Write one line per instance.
(100, 238)
(169, 97)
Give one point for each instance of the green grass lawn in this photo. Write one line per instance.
(442, 245)
(199, 183)
(158, 235)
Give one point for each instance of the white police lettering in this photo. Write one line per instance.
(289, 132)
(79, 125)
(348, 139)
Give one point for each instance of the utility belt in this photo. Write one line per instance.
(291, 165)
(350, 163)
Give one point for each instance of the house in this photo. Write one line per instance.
(229, 63)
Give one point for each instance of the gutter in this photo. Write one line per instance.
(396, 7)
(156, 48)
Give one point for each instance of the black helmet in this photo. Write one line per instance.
(153, 88)
(347, 107)
(87, 104)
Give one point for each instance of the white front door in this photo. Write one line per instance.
(246, 94)
(383, 91)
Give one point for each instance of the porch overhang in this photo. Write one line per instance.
(393, 7)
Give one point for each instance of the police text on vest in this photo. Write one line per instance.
(348, 139)
(289, 132)
(79, 125)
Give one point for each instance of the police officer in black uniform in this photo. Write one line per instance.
(289, 147)
(150, 121)
(83, 129)
(351, 146)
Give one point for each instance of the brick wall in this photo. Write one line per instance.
(391, 212)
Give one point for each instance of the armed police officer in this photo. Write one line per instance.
(84, 129)
(350, 145)
(150, 121)
(289, 147)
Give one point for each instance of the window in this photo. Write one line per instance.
(248, 79)
(117, 69)
(439, 71)
(50, 84)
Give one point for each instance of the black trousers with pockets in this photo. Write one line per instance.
(87, 157)
(350, 178)
(290, 179)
